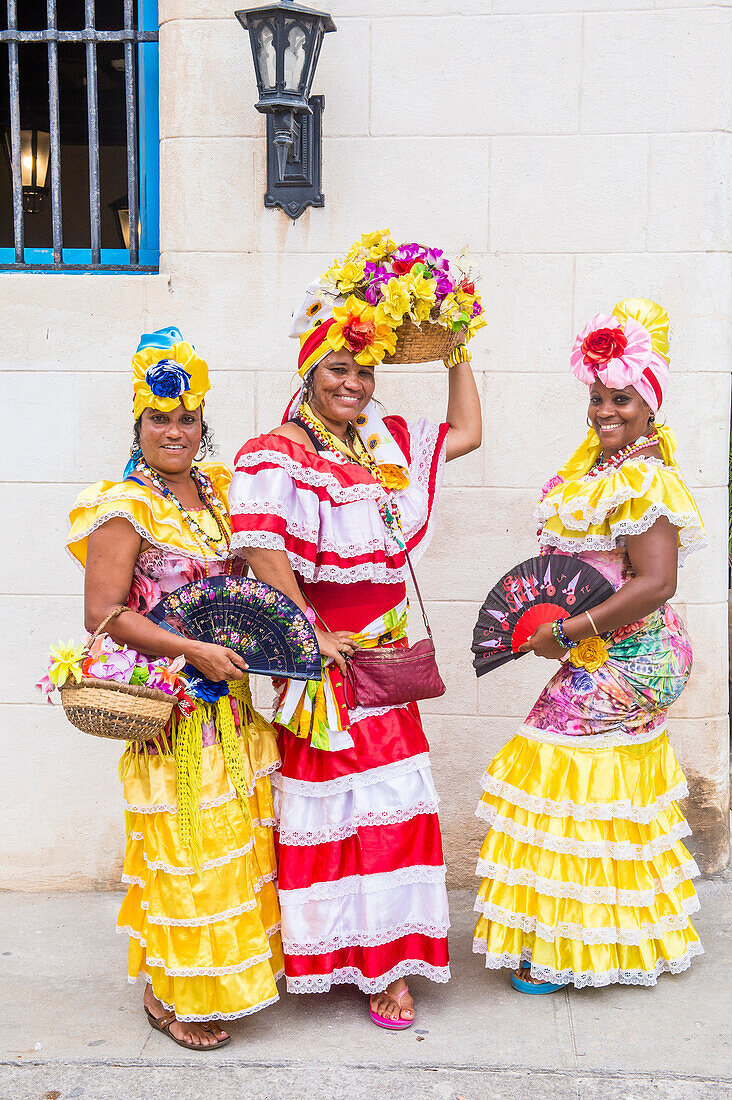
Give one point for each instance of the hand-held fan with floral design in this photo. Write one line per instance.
(536, 591)
(257, 621)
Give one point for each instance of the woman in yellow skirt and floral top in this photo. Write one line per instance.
(201, 906)
(585, 880)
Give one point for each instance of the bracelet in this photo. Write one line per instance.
(561, 637)
(459, 354)
(592, 623)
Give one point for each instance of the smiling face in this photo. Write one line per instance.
(340, 389)
(618, 416)
(170, 440)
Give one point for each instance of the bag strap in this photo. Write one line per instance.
(416, 589)
(419, 594)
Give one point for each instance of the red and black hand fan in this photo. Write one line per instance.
(537, 591)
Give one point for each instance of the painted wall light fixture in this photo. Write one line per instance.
(286, 40)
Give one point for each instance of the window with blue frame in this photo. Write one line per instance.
(79, 164)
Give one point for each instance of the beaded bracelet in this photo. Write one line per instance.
(560, 636)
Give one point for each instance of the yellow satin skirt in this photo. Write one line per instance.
(583, 870)
(208, 938)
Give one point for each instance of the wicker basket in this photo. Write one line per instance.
(105, 708)
(422, 343)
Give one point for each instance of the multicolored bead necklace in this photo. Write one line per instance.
(359, 453)
(211, 503)
(622, 455)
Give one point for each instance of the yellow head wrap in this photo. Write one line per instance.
(166, 371)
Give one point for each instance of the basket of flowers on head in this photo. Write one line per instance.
(404, 303)
(108, 690)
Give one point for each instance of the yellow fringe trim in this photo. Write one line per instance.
(188, 749)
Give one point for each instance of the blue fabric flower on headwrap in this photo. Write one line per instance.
(166, 378)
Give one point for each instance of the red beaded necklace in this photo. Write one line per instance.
(622, 455)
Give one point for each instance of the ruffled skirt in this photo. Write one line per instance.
(207, 938)
(583, 870)
(361, 870)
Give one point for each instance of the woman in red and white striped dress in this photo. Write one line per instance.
(361, 869)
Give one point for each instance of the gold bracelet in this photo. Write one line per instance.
(459, 354)
(592, 623)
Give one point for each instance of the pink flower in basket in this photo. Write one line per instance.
(117, 666)
(47, 686)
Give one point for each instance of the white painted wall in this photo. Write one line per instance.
(576, 146)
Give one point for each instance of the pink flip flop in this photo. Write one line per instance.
(392, 1025)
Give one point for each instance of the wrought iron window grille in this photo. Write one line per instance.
(140, 26)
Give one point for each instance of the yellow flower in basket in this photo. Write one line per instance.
(395, 303)
(378, 244)
(589, 654)
(345, 278)
(65, 663)
(423, 294)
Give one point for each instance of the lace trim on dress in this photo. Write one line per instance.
(690, 536)
(376, 571)
(358, 714)
(623, 809)
(549, 507)
(199, 922)
(314, 535)
(210, 971)
(142, 532)
(351, 975)
(207, 865)
(205, 804)
(582, 978)
(363, 884)
(422, 467)
(355, 780)
(592, 741)
(365, 820)
(133, 880)
(591, 849)
(592, 895)
(341, 494)
(195, 1019)
(610, 934)
(361, 938)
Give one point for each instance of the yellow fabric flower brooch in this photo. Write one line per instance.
(590, 654)
(167, 371)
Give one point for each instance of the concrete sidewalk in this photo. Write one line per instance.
(71, 1028)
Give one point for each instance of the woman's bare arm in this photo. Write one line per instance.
(113, 550)
(463, 412)
(654, 558)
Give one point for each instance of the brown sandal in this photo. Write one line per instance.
(163, 1023)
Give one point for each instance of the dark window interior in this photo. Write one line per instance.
(34, 111)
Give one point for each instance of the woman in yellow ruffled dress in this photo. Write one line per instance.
(585, 880)
(201, 906)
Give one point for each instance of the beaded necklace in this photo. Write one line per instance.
(360, 454)
(622, 455)
(211, 503)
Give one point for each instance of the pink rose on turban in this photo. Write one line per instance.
(603, 344)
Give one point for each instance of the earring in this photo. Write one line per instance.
(588, 422)
(652, 418)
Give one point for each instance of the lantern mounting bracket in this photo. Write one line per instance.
(294, 160)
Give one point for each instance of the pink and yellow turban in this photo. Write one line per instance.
(628, 347)
(166, 371)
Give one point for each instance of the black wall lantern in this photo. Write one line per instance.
(286, 40)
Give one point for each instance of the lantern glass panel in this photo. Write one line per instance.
(266, 54)
(35, 149)
(296, 57)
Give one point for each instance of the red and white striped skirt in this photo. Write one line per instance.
(361, 869)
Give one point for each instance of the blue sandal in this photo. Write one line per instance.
(533, 988)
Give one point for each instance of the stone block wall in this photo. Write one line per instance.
(577, 147)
